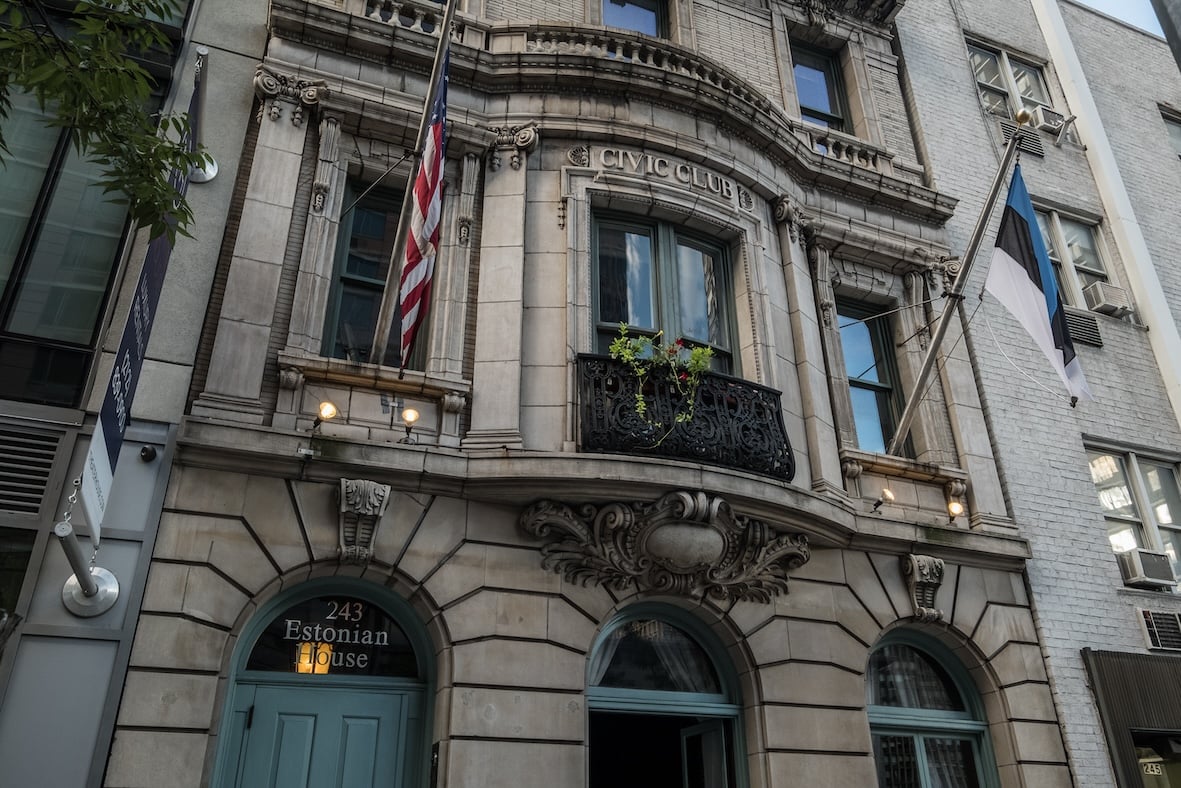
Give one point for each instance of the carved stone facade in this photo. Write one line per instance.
(362, 504)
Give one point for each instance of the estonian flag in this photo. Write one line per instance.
(1022, 278)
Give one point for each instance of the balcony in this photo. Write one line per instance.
(735, 423)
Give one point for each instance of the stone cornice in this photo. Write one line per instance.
(512, 477)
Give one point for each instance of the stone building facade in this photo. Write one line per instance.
(532, 583)
(568, 588)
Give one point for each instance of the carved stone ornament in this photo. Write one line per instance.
(517, 141)
(579, 156)
(686, 543)
(924, 575)
(745, 201)
(270, 85)
(326, 162)
(291, 378)
(787, 213)
(362, 503)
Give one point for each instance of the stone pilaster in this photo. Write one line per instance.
(496, 378)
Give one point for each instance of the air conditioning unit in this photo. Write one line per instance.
(1107, 298)
(1162, 629)
(1146, 569)
(1047, 119)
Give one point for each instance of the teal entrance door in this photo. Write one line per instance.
(325, 737)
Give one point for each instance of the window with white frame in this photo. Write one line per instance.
(1076, 251)
(655, 276)
(1141, 501)
(1005, 83)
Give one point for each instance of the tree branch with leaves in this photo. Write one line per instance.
(86, 70)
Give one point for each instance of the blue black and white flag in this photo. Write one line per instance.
(1022, 278)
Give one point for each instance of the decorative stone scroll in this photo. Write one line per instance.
(924, 575)
(362, 503)
(687, 543)
(326, 162)
(273, 86)
(516, 141)
(788, 214)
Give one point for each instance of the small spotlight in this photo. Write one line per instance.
(887, 496)
(955, 508)
(409, 418)
(327, 411)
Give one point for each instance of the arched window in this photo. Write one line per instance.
(664, 712)
(925, 718)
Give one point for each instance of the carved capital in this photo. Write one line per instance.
(326, 162)
(788, 214)
(687, 543)
(851, 468)
(362, 503)
(516, 141)
(924, 575)
(290, 378)
(275, 87)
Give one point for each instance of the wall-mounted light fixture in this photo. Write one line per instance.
(326, 412)
(410, 417)
(886, 496)
(955, 490)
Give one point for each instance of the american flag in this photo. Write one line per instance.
(422, 242)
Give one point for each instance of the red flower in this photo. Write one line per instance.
(680, 342)
(684, 376)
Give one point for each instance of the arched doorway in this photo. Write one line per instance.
(329, 687)
(663, 704)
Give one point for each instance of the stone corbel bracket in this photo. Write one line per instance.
(274, 86)
(362, 503)
(924, 575)
(686, 543)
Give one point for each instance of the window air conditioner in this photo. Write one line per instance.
(1107, 298)
(1146, 569)
(1047, 119)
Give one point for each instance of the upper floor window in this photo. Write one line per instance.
(818, 87)
(926, 727)
(649, 17)
(364, 249)
(1174, 128)
(60, 236)
(657, 277)
(1005, 83)
(1141, 502)
(1076, 253)
(868, 349)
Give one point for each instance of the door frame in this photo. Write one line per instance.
(241, 682)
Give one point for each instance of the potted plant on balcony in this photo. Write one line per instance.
(676, 367)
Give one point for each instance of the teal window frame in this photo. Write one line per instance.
(725, 706)
(920, 724)
(664, 240)
(827, 64)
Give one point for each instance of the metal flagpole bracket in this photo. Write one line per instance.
(91, 590)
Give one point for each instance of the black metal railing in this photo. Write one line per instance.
(734, 422)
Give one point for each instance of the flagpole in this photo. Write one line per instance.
(389, 298)
(957, 288)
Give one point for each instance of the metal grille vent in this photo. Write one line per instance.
(1083, 327)
(1163, 629)
(1031, 141)
(26, 459)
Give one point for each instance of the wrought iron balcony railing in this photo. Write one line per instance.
(735, 423)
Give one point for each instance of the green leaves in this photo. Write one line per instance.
(87, 74)
(678, 364)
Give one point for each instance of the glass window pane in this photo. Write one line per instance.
(649, 654)
(1164, 501)
(867, 419)
(1046, 224)
(897, 762)
(626, 277)
(62, 294)
(986, 67)
(1081, 245)
(815, 83)
(1030, 85)
(1123, 536)
(1172, 543)
(355, 322)
(642, 16)
(900, 675)
(337, 635)
(697, 287)
(30, 146)
(371, 241)
(1110, 476)
(861, 362)
(995, 101)
(951, 763)
(1174, 129)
